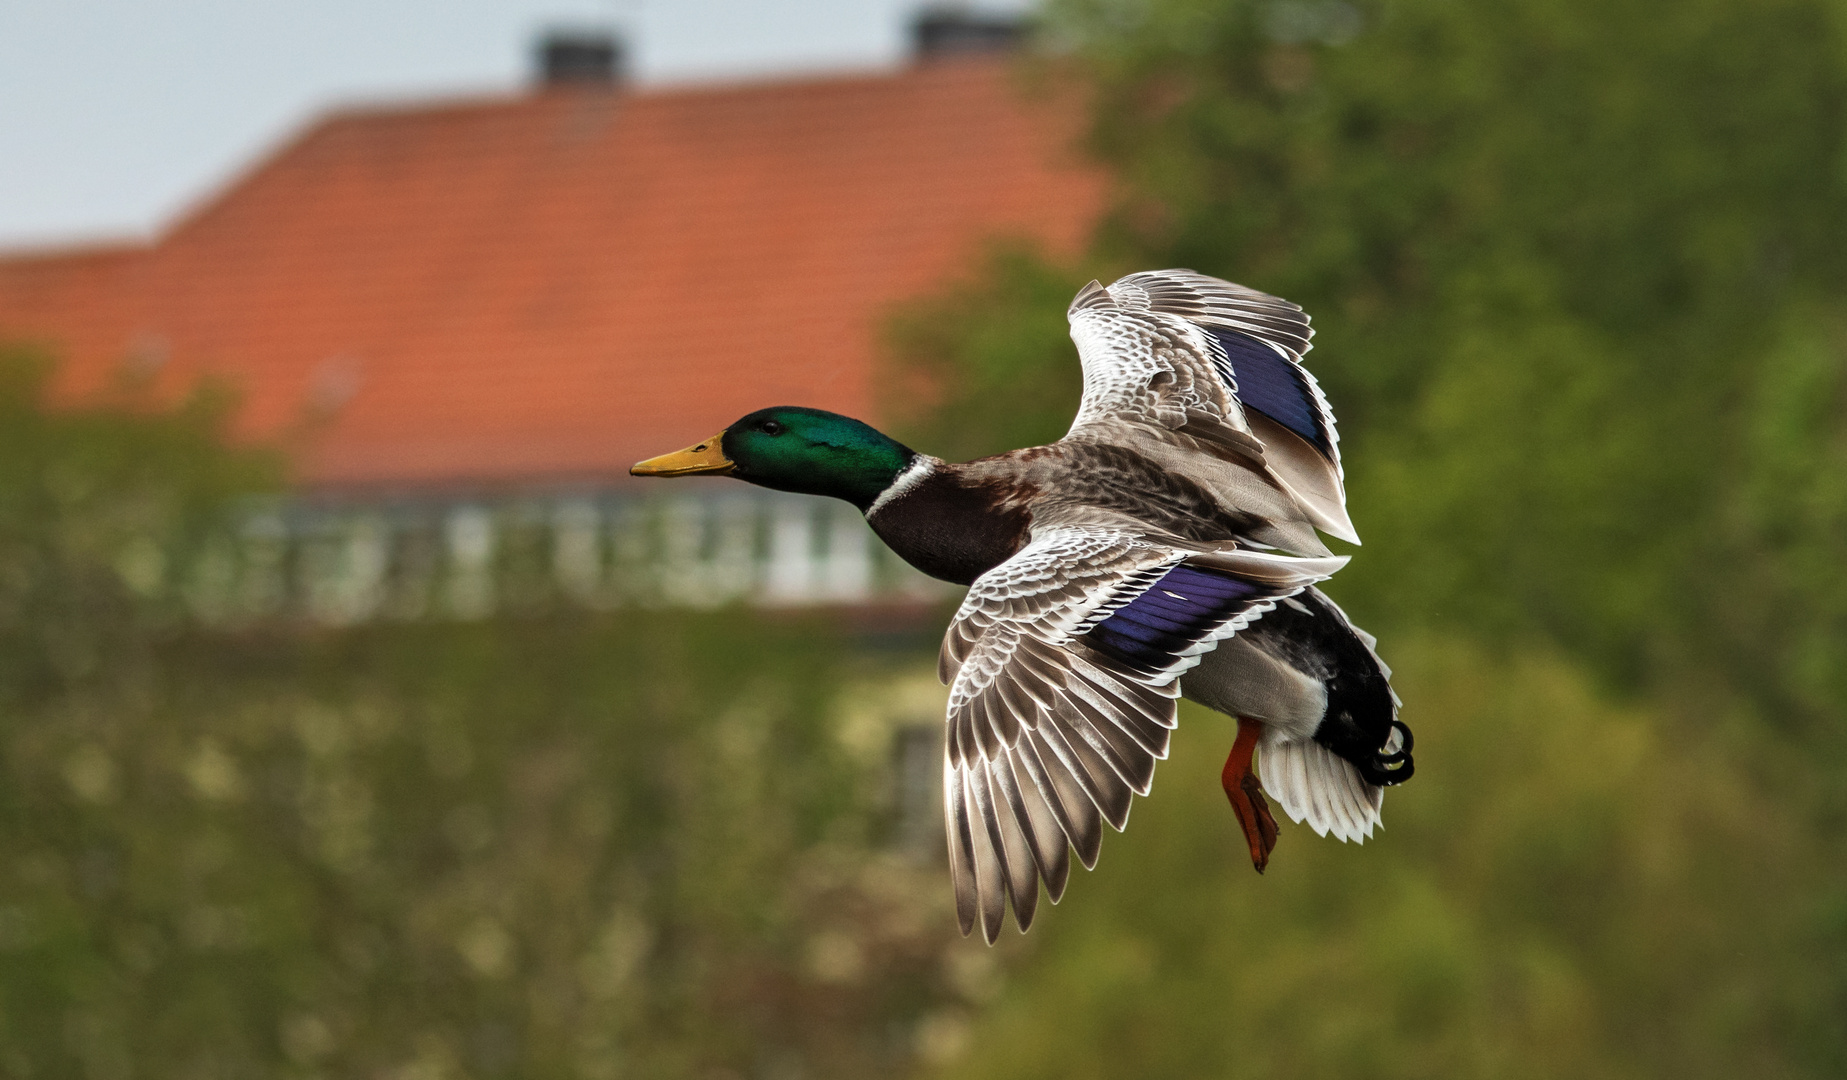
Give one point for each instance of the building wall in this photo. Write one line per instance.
(343, 561)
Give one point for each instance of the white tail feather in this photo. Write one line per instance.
(1314, 784)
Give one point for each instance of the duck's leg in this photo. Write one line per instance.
(1246, 794)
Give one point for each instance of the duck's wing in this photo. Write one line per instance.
(1216, 363)
(1062, 665)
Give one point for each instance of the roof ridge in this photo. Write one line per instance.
(74, 250)
(694, 87)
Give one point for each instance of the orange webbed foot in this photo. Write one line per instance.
(1246, 794)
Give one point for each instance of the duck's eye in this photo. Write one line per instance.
(770, 427)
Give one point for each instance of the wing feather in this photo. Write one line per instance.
(1044, 838)
(1180, 352)
(990, 871)
(961, 845)
(1094, 777)
(1076, 814)
(1016, 851)
(1058, 712)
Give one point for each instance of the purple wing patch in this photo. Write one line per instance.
(1175, 613)
(1274, 387)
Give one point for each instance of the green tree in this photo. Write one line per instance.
(1564, 258)
(545, 845)
(1577, 273)
(100, 509)
(1570, 887)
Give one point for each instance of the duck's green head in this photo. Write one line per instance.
(794, 449)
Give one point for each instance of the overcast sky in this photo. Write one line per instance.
(117, 114)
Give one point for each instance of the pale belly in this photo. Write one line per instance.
(1241, 680)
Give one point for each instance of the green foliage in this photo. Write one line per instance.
(1576, 270)
(644, 844)
(1566, 889)
(991, 358)
(99, 509)
(1558, 254)
(550, 848)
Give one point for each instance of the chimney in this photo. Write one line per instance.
(579, 58)
(943, 31)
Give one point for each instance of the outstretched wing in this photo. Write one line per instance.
(1218, 362)
(1062, 664)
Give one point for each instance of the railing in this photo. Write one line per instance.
(345, 561)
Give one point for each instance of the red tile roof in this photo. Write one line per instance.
(551, 286)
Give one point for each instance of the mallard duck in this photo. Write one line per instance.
(1165, 547)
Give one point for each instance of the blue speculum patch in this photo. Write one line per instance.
(1273, 386)
(1172, 615)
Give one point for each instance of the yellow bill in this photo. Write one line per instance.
(707, 456)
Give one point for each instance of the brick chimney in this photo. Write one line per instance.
(579, 58)
(942, 31)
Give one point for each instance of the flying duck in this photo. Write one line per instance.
(1167, 546)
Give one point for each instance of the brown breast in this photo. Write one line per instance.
(955, 526)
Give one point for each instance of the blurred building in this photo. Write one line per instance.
(466, 318)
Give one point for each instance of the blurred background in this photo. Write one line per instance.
(360, 718)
